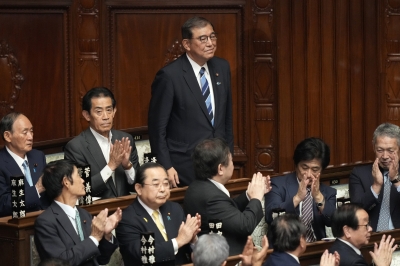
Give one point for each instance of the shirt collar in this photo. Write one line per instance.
(16, 158)
(196, 67)
(147, 208)
(351, 245)
(296, 258)
(69, 211)
(101, 138)
(220, 187)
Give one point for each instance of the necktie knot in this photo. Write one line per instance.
(202, 70)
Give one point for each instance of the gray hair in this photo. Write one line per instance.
(210, 250)
(387, 130)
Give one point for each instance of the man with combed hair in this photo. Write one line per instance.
(17, 158)
(350, 224)
(153, 212)
(191, 100)
(376, 187)
(208, 196)
(69, 232)
(210, 250)
(111, 153)
(302, 193)
(289, 235)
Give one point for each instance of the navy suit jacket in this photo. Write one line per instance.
(360, 183)
(135, 220)
(239, 215)
(8, 168)
(348, 257)
(284, 188)
(178, 118)
(84, 149)
(280, 259)
(55, 237)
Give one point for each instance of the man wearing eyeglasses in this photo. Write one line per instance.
(377, 187)
(350, 224)
(191, 101)
(152, 212)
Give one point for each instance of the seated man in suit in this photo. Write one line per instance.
(17, 158)
(208, 196)
(289, 235)
(301, 191)
(350, 224)
(152, 212)
(377, 187)
(210, 250)
(111, 153)
(68, 232)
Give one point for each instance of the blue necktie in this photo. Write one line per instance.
(205, 90)
(79, 225)
(27, 173)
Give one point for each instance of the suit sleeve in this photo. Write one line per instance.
(51, 246)
(161, 104)
(73, 152)
(234, 221)
(134, 155)
(330, 205)
(229, 114)
(360, 192)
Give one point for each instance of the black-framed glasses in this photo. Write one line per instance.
(366, 225)
(204, 38)
(157, 185)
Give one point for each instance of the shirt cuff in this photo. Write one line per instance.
(94, 240)
(247, 196)
(106, 173)
(130, 175)
(376, 195)
(175, 244)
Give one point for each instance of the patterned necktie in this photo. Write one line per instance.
(28, 176)
(307, 216)
(79, 225)
(159, 225)
(206, 93)
(384, 214)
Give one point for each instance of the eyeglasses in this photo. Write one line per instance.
(204, 38)
(159, 185)
(366, 225)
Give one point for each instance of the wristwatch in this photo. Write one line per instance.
(320, 204)
(396, 180)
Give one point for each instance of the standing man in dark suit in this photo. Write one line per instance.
(191, 101)
(377, 187)
(350, 224)
(208, 196)
(17, 158)
(152, 212)
(301, 191)
(111, 153)
(68, 232)
(289, 235)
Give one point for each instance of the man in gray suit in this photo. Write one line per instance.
(111, 153)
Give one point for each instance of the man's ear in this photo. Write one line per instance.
(224, 263)
(220, 170)
(138, 189)
(185, 44)
(86, 115)
(7, 136)
(346, 231)
(65, 182)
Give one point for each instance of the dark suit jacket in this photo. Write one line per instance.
(360, 183)
(178, 117)
(284, 188)
(84, 149)
(239, 216)
(280, 259)
(348, 257)
(8, 168)
(135, 220)
(55, 237)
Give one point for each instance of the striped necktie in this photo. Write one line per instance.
(205, 90)
(307, 216)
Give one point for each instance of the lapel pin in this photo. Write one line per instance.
(218, 83)
(84, 221)
(217, 74)
(145, 219)
(169, 218)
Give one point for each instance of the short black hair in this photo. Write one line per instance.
(312, 148)
(140, 175)
(194, 22)
(53, 175)
(345, 215)
(96, 92)
(286, 231)
(207, 155)
(7, 122)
